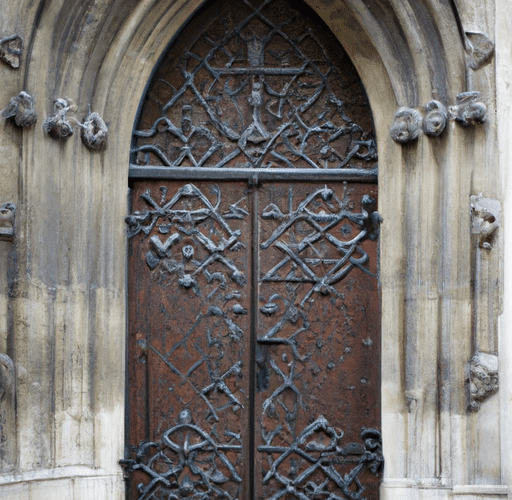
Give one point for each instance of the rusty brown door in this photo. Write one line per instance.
(253, 307)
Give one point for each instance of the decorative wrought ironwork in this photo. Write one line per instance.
(312, 243)
(186, 463)
(303, 263)
(175, 222)
(256, 96)
(189, 461)
(185, 235)
(317, 465)
(316, 243)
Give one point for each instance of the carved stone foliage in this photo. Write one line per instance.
(7, 212)
(407, 125)
(481, 49)
(57, 125)
(482, 370)
(94, 132)
(482, 378)
(435, 119)
(469, 110)
(11, 48)
(21, 109)
(93, 129)
(260, 92)
(486, 219)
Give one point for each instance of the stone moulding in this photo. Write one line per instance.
(409, 123)
(7, 211)
(482, 378)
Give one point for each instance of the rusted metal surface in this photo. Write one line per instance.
(254, 327)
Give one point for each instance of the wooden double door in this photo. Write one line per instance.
(254, 341)
(253, 307)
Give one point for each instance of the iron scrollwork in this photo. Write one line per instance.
(257, 94)
(184, 448)
(303, 268)
(284, 111)
(189, 234)
(177, 223)
(313, 246)
(327, 456)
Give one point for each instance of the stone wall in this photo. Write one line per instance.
(62, 272)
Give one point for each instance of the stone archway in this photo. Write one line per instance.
(64, 301)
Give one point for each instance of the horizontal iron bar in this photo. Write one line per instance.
(255, 175)
(259, 70)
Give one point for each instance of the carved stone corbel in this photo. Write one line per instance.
(486, 219)
(11, 48)
(482, 369)
(481, 49)
(21, 109)
(7, 211)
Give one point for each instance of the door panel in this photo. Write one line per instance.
(188, 339)
(253, 351)
(317, 357)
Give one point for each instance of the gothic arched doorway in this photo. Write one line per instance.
(254, 325)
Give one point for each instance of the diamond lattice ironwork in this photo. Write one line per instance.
(256, 94)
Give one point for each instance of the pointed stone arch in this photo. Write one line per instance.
(406, 53)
